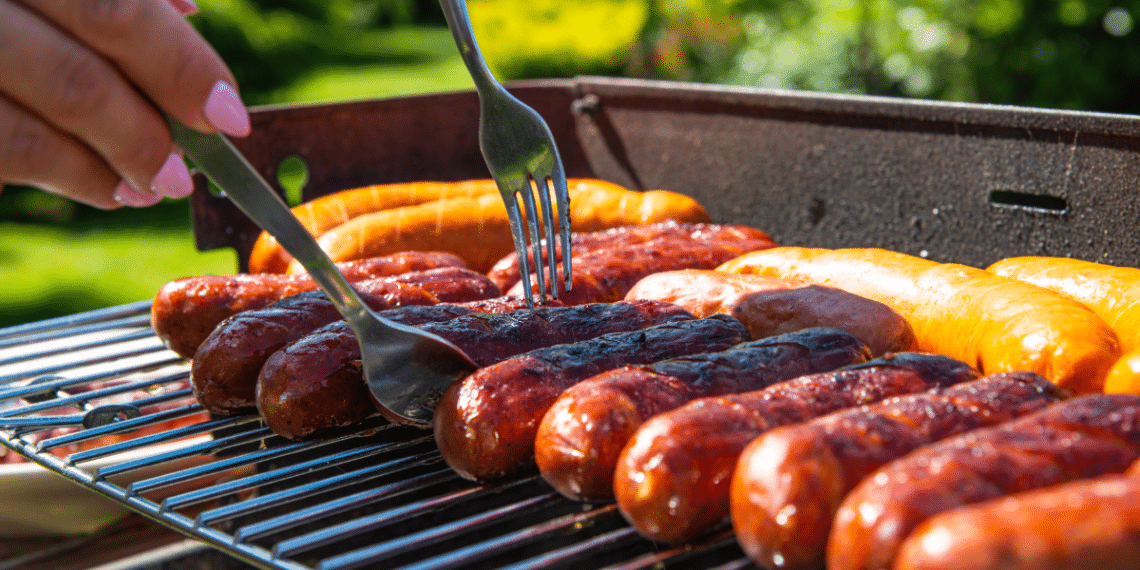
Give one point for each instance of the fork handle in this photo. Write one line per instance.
(458, 20)
(216, 156)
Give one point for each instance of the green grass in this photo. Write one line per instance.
(48, 271)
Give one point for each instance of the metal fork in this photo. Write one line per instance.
(519, 151)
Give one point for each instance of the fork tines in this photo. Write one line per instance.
(545, 256)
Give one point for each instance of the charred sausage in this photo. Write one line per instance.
(316, 384)
(1092, 435)
(789, 482)
(185, 311)
(580, 437)
(672, 478)
(770, 306)
(1091, 524)
(225, 367)
(485, 424)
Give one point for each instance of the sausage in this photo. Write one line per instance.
(505, 272)
(1124, 376)
(789, 481)
(607, 275)
(225, 367)
(185, 311)
(672, 478)
(769, 306)
(477, 228)
(325, 213)
(1091, 524)
(485, 424)
(315, 384)
(999, 323)
(1084, 437)
(579, 439)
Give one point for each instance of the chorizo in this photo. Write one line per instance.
(316, 383)
(225, 367)
(485, 423)
(505, 272)
(185, 311)
(769, 306)
(998, 323)
(1083, 437)
(579, 439)
(789, 481)
(1091, 524)
(672, 478)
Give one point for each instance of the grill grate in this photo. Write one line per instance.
(380, 496)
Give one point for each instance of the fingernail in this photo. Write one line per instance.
(187, 7)
(225, 111)
(173, 179)
(128, 195)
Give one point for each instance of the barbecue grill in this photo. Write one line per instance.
(952, 182)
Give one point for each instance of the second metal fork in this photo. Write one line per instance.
(523, 159)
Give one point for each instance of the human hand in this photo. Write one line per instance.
(84, 86)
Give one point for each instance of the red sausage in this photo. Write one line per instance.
(315, 384)
(1091, 524)
(789, 482)
(1084, 437)
(580, 437)
(185, 311)
(485, 424)
(672, 478)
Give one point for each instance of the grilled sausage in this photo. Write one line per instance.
(485, 424)
(1091, 524)
(672, 478)
(580, 437)
(1002, 324)
(325, 213)
(316, 384)
(505, 272)
(1084, 437)
(477, 229)
(185, 311)
(788, 482)
(770, 306)
(607, 275)
(225, 367)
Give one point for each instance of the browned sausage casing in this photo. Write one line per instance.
(505, 272)
(606, 276)
(672, 479)
(485, 424)
(789, 482)
(185, 311)
(1091, 524)
(225, 367)
(580, 437)
(1080, 438)
(316, 384)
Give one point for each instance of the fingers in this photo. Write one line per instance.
(36, 154)
(91, 80)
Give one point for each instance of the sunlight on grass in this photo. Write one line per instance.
(49, 271)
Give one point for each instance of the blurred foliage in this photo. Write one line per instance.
(59, 257)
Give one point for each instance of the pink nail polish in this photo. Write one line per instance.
(173, 179)
(186, 7)
(128, 195)
(225, 111)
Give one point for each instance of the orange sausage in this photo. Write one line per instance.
(997, 323)
(478, 231)
(770, 306)
(325, 213)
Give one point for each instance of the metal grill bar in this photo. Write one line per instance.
(377, 496)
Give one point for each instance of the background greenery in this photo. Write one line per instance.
(59, 258)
